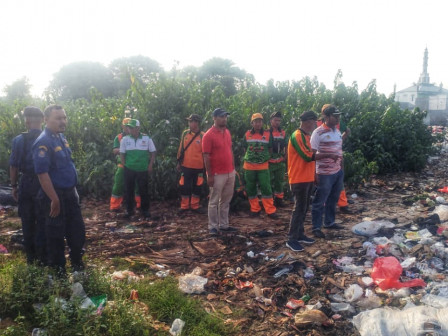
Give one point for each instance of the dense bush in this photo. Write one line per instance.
(384, 137)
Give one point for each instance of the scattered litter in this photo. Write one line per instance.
(129, 275)
(192, 284)
(386, 274)
(371, 228)
(312, 317)
(442, 211)
(284, 270)
(176, 327)
(407, 322)
(353, 293)
(3, 249)
(294, 304)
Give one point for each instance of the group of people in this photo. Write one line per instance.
(312, 156)
(49, 202)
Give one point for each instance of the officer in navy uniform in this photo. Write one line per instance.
(21, 163)
(59, 199)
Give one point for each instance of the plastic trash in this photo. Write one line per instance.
(251, 254)
(386, 274)
(371, 228)
(3, 249)
(368, 281)
(443, 190)
(440, 200)
(294, 304)
(354, 196)
(370, 301)
(176, 327)
(284, 270)
(39, 332)
(342, 307)
(425, 269)
(78, 293)
(353, 293)
(437, 263)
(435, 301)
(408, 262)
(308, 273)
(408, 322)
(442, 211)
(163, 274)
(192, 284)
(370, 250)
(312, 317)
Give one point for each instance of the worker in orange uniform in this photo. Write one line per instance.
(191, 165)
(277, 163)
(258, 144)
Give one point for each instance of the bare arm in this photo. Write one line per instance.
(151, 162)
(320, 156)
(123, 158)
(48, 188)
(14, 175)
(210, 177)
(116, 151)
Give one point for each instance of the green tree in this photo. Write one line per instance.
(18, 90)
(75, 80)
(126, 70)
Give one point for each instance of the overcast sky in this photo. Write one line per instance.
(282, 40)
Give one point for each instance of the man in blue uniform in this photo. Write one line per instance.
(59, 199)
(21, 162)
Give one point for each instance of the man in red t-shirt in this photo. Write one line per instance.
(219, 165)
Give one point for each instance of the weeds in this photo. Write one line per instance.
(35, 298)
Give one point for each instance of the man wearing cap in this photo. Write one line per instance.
(258, 145)
(138, 153)
(220, 169)
(277, 165)
(21, 162)
(58, 197)
(327, 140)
(301, 172)
(191, 165)
(117, 190)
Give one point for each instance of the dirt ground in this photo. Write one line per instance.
(243, 288)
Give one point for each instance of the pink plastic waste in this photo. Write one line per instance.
(386, 274)
(3, 249)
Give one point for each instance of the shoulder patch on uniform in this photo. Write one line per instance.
(43, 148)
(58, 149)
(41, 153)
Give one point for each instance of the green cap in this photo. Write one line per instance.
(133, 123)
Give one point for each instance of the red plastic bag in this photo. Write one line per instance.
(386, 274)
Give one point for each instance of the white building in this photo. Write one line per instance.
(427, 97)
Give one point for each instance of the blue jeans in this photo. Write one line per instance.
(327, 194)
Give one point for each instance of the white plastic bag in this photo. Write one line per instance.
(442, 211)
(192, 284)
(370, 228)
(408, 322)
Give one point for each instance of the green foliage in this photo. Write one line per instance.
(74, 81)
(382, 133)
(164, 298)
(18, 90)
(35, 298)
(357, 169)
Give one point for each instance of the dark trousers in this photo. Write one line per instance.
(69, 225)
(131, 178)
(33, 220)
(302, 194)
(190, 186)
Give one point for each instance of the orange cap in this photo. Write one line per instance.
(256, 116)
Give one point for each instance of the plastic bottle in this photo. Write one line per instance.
(284, 270)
